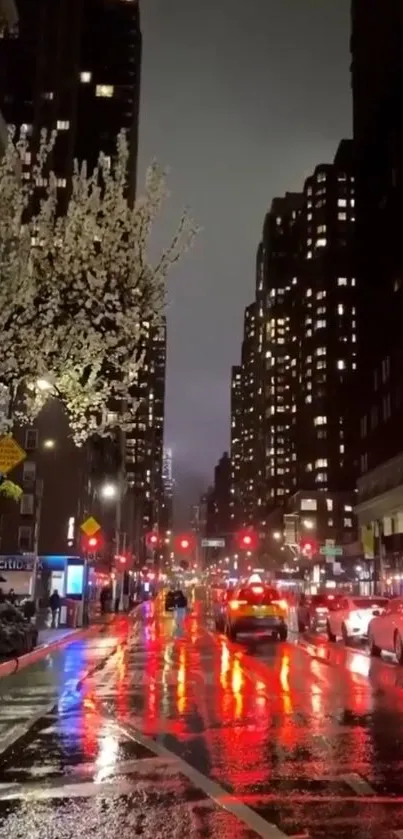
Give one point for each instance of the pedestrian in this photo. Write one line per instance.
(55, 603)
(181, 605)
(11, 597)
(104, 598)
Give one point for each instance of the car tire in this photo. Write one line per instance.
(398, 644)
(283, 633)
(330, 635)
(374, 650)
(344, 634)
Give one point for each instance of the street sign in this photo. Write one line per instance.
(11, 454)
(213, 543)
(90, 526)
(331, 550)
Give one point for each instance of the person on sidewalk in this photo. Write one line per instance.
(55, 603)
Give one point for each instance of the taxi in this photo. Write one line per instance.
(256, 608)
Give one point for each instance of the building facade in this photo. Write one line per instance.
(74, 66)
(377, 79)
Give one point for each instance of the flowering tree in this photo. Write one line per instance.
(77, 289)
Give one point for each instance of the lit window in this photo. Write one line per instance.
(347, 522)
(341, 448)
(104, 91)
(348, 508)
(320, 421)
(61, 182)
(309, 255)
(341, 281)
(308, 292)
(321, 477)
(342, 216)
(330, 522)
(340, 309)
(321, 243)
(320, 324)
(321, 463)
(85, 76)
(308, 504)
(341, 364)
(48, 95)
(329, 505)
(320, 351)
(320, 177)
(63, 125)
(342, 202)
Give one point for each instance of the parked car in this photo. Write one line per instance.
(312, 611)
(349, 617)
(385, 631)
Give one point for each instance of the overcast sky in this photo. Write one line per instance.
(241, 99)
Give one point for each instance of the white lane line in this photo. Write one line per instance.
(358, 784)
(214, 791)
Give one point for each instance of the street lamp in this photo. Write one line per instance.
(43, 385)
(109, 491)
(308, 524)
(277, 535)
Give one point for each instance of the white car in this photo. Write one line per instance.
(385, 631)
(349, 617)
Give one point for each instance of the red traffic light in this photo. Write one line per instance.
(247, 540)
(93, 542)
(184, 543)
(152, 539)
(308, 547)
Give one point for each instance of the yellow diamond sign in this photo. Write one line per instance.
(11, 454)
(90, 526)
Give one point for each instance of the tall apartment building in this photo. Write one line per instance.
(168, 485)
(377, 82)
(282, 272)
(8, 25)
(74, 66)
(236, 451)
(297, 392)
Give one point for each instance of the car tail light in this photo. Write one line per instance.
(235, 604)
(281, 603)
(257, 589)
(321, 610)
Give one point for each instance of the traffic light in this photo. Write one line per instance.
(308, 547)
(247, 540)
(184, 543)
(152, 539)
(93, 542)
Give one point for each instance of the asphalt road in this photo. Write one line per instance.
(148, 731)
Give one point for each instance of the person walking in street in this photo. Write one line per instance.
(55, 603)
(181, 605)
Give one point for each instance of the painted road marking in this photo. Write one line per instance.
(214, 791)
(358, 784)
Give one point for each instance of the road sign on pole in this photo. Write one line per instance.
(331, 550)
(213, 543)
(11, 454)
(90, 526)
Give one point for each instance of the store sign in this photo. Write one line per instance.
(17, 563)
(213, 543)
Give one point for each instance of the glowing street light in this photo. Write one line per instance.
(308, 524)
(277, 535)
(109, 491)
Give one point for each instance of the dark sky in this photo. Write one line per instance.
(241, 99)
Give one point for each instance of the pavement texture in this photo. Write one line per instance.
(148, 728)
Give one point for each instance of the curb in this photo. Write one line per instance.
(8, 668)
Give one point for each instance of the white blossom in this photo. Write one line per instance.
(77, 290)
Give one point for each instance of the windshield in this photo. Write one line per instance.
(370, 602)
(258, 595)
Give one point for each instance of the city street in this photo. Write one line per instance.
(145, 730)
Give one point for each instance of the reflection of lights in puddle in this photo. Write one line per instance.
(107, 757)
(237, 677)
(316, 700)
(284, 673)
(359, 663)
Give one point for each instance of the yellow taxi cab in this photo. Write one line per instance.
(256, 608)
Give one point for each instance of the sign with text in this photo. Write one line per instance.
(213, 543)
(17, 563)
(331, 550)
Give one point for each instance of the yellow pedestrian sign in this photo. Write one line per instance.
(11, 454)
(90, 526)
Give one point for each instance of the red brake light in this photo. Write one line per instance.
(235, 604)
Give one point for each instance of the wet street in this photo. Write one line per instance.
(142, 730)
